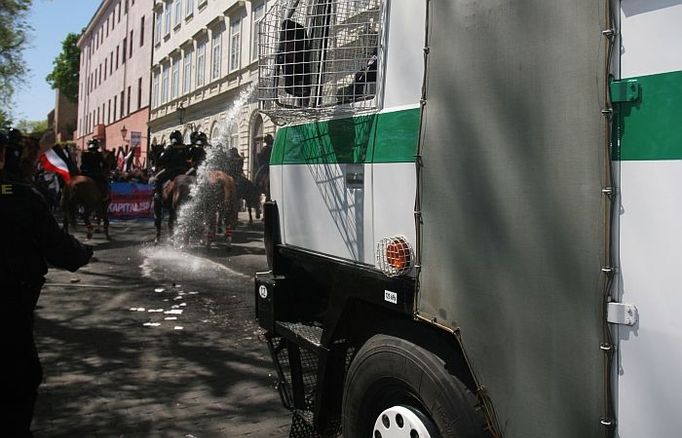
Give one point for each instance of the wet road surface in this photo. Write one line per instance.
(150, 341)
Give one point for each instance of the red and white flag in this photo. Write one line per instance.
(54, 163)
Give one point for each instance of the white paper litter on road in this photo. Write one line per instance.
(173, 312)
(183, 304)
(179, 297)
(175, 306)
(155, 310)
(170, 318)
(159, 290)
(151, 324)
(177, 285)
(141, 309)
(193, 292)
(178, 327)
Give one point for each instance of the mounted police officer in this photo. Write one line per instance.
(197, 153)
(30, 238)
(93, 166)
(172, 161)
(263, 157)
(235, 163)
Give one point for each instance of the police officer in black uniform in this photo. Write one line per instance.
(172, 161)
(235, 163)
(92, 165)
(263, 157)
(197, 153)
(29, 239)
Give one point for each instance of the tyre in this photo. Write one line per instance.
(395, 388)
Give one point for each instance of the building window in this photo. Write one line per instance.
(187, 72)
(216, 54)
(123, 96)
(189, 8)
(175, 78)
(126, 6)
(131, 44)
(117, 47)
(124, 51)
(235, 43)
(129, 98)
(111, 63)
(159, 27)
(178, 12)
(106, 67)
(119, 18)
(155, 90)
(258, 13)
(115, 106)
(164, 85)
(109, 113)
(167, 17)
(142, 31)
(201, 63)
(139, 93)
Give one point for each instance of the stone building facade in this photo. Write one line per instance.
(116, 53)
(204, 58)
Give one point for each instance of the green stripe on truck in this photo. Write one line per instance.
(650, 128)
(377, 138)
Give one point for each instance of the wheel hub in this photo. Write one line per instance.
(403, 422)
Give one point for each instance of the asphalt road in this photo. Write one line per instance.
(150, 341)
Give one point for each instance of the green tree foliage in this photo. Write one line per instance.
(32, 126)
(14, 29)
(64, 75)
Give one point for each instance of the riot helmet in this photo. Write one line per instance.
(201, 139)
(176, 138)
(93, 145)
(14, 148)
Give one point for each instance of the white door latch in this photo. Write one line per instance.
(621, 313)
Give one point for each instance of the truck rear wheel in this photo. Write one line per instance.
(396, 388)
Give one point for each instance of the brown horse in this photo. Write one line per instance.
(175, 193)
(82, 192)
(221, 206)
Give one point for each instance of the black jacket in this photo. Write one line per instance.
(30, 239)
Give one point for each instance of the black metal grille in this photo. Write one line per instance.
(319, 57)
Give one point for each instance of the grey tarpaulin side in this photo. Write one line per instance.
(513, 232)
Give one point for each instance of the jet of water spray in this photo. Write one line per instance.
(192, 215)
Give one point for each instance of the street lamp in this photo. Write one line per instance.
(181, 112)
(124, 133)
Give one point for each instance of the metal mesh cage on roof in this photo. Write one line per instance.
(319, 57)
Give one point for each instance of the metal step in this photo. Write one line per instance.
(303, 335)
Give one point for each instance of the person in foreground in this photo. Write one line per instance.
(29, 239)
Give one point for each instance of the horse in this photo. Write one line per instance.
(250, 193)
(262, 180)
(83, 192)
(174, 193)
(221, 204)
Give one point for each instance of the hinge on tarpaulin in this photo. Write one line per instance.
(624, 91)
(621, 313)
